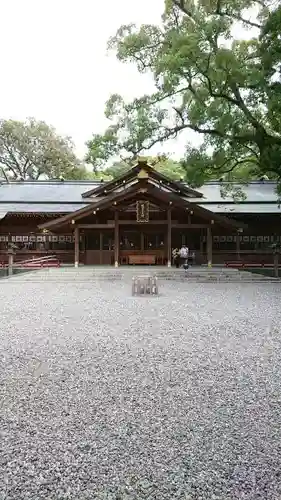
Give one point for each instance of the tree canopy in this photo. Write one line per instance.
(166, 166)
(33, 150)
(227, 90)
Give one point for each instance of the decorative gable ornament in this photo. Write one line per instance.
(143, 174)
(142, 208)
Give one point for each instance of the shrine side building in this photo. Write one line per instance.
(137, 219)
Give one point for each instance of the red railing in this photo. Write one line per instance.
(38, 263)
(244, 265)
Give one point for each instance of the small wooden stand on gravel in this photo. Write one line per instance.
(144, 285)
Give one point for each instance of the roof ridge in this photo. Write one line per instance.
(241, 183)
(60, 183)
(83, 181)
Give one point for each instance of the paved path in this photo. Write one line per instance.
(170, 397)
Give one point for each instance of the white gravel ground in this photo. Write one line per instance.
(108, 396)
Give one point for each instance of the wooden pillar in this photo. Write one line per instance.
(76, 246)
(201, 244)
(142, 241)
(276, 264)
(169, 237)
(116, 239)
(10, 262)
(82, 241)
(238, 246)
(209, 247)
(101, 247)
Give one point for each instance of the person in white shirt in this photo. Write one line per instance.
(184, 255)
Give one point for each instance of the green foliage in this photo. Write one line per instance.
(270, 51)
(117, 169)
(85, 174)
(166, 166)
(205, 81)
(270, 43)
(33, 150)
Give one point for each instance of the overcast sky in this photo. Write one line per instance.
(54, 62)
(55, 66)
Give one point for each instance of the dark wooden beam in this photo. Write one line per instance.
(141, 225)
(190, 226)
(96, 226)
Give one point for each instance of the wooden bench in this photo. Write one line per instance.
(142, 259)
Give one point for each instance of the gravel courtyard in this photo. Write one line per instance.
(108, 396)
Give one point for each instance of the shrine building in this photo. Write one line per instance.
(137, 218)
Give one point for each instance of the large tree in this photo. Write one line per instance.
(206, 81)
(33, 150)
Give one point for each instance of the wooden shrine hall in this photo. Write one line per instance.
(139, 218)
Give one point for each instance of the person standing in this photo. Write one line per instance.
(176, 257)
(193, 257)
(183, 253)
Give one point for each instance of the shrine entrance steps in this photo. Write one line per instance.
(199, 274)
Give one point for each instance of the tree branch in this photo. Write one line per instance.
(179, 113)
(181, 5)
(218, 95)
(252, 150)
(4, 173)
(237, 17)
(163, 97)
(17, 165)
(176, 18)
(8, 164)
(25, 166)
(241, 104)
(236, 164)
(173, 132)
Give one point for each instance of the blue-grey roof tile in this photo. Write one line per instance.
(41, 207)
(255, 192)
(66, 196)
(45, 191)
(236, 208)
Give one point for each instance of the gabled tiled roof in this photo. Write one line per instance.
(144, 191)
(141, 170)
(66, 196)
